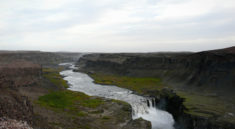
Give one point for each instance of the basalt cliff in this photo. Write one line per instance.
(212, 70)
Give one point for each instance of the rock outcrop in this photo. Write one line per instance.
(6, 123)
(168, 100)
(19, 73)
(15, 106)
(14, 75)
(138, 124)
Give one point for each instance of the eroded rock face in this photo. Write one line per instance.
(19, 73)
(6, 123)
(14, 75)
(138, 124)
(16, 106)
(213, 70)
(168, 100)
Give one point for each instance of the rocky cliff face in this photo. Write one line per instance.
(13, 75)
(15, 106)
(212, 70)
(19, 73)
(6, 123)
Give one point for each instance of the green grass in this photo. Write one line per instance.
(72, 101)
(82, 114)
(199, 103)
(59, 99)
(206, 106)
(54, 77)
(140, 85)
(106, 117)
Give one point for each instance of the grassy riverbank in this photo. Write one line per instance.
(68, 100)
(57, 107)
(140, 85)
(208, 106)
(52, 74)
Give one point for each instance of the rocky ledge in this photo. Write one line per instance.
(14, 75)
(6, 123)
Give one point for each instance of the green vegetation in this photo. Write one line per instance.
(68, 100)
(140, 85)
(64, 99)
(82, 114)
(206, 106)
(106, 117)
(120, 102)
(59, 99)
(53, 75)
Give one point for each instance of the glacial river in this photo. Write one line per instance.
(140, 108)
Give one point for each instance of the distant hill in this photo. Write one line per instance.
(230, 50)
(43, 58)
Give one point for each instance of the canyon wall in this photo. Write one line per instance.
(14, 75)
(209, 70)
(19, 73)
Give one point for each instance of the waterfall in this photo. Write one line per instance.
(151, 102)
(147, 109)
(143, 106)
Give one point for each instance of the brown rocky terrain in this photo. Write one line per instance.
(16, 74)
(19, 73)
(6, 123)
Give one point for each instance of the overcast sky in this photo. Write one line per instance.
(116, 25)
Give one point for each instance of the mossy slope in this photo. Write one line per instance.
(138, 84)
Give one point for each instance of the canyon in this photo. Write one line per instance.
(196, 88)
(202, 83)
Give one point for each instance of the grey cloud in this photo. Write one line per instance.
(78, 24)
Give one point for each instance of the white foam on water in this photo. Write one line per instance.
(158, 118)
(82, 82)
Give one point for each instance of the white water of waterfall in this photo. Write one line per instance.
(141, 106)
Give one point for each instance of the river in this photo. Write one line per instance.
(141, 106)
